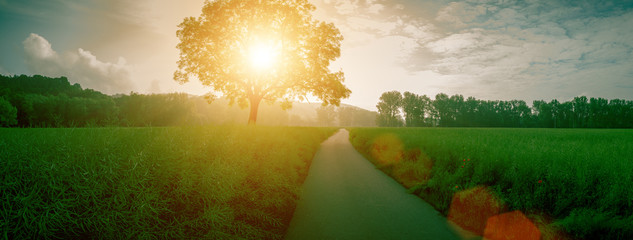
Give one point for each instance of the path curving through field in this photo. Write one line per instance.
(346, 197)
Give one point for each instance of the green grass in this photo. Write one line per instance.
(586, 175)
(146, 183)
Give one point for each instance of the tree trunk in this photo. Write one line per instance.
(252, 117)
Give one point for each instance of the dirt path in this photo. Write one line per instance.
(346, 197)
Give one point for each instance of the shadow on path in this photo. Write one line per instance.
(346, 197)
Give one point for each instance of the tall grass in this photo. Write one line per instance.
(582, 178)
(148, 183)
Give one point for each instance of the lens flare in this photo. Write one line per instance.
(387, 149)
(262, 56)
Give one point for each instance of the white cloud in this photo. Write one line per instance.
(371, 25)
(80, 67)
(345, 7)
(460, 13)
(529, 51)
(373, 7)
(461, 43)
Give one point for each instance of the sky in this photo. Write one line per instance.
(492, 50)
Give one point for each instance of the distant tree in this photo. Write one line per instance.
(389, 110)
(415, 108)
(456, 108)
(543, 113)
(472, 114)
(358, 117)
(326, 115)
(297, 120)
(618, 110)
(628, 115)
(364, 118)
(581, 112)
(156, 109)
(444, 112)
(565, 115)
(346, 116)
(598, 108)
(8, 113)
(253, 50)
(521, 114)
(556, 113)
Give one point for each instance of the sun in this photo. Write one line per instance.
(262, 56)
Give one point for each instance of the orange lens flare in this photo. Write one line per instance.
(387, 150)
(511, 225)
(471, 208)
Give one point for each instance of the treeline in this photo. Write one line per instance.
(455, 111)
(344, 116)
(39, 101)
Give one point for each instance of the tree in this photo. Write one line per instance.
(326, 116)
(253, 50)
(581, 111)
(8, 113)
(521, 113)
(346, 116)
(456, 108)
(556, 113)
(472, 113)
(414, 108)
(544, 113)
(443, 108)
(389, 109)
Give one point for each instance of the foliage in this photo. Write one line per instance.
(149, 183)
(215, 48)
(455, 111)
(8, 113)
(580, 177)
(415, 109)
(354, 116)
(326, 115)
(389, 109)
(155, 109)
(44, 101)
(54, 102)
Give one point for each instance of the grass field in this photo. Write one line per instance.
(146, 183)
(582, 179)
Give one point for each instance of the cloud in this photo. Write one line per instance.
(80, 67)
(366, 22)
(374, 7)
(460, 14)
(531, 50)
(379, 37)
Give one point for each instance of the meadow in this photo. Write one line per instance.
(577, 181)
(214, 182)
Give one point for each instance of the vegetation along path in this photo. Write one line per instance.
(346, 197)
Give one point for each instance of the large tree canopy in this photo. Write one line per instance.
(253, 50)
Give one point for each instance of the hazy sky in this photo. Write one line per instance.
(488, 49)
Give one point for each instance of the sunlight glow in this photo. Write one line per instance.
(262, 56)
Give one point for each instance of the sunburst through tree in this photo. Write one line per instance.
(253, 50)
